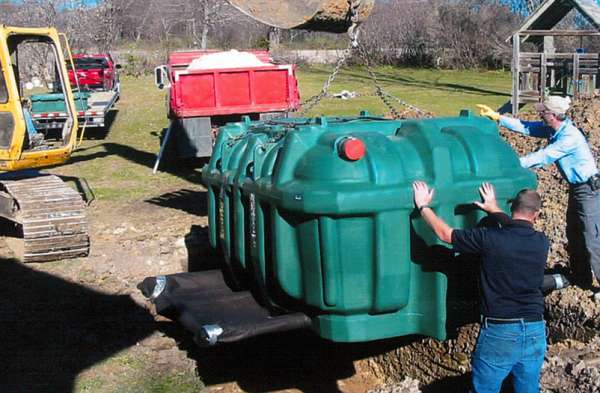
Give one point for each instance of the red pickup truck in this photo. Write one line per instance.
(95, 72)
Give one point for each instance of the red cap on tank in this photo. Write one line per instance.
(352, 149)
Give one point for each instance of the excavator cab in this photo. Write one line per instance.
(33, 72)
(50, 217)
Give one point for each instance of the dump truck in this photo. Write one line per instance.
(49, 215)
(207, 89)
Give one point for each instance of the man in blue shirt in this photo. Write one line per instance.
(568, 148)
(512, 337)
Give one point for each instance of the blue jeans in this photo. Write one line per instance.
(502, 349)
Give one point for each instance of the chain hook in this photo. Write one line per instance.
(354, 29)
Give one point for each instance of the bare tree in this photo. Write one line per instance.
(206, 15)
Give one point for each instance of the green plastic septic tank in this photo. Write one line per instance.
(316, 215)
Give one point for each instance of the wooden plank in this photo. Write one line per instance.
(589, 69)
(529, 92)
(561, 55)
(554, 33)
(575, 75)
(532, 62)
(543, 75)
(529, 70)
(529, 99)
(516, 71)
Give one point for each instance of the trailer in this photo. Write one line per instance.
(49, 112)
(208, 88)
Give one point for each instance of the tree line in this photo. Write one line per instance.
(448, 33)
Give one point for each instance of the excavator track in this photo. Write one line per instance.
(52, 217)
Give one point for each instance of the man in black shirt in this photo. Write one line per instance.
(512, 337)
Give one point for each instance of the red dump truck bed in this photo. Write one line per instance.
(229, 90)
(207, 89)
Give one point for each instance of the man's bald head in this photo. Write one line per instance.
(526, 202)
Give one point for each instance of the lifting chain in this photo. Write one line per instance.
(352, 45)
(314, 100)
(383, 95)
(355, 45)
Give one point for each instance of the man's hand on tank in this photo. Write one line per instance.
(486, 111)
(422, 194)
(488, 194)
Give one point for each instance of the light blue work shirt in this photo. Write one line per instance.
(29, 122)
(568, 148)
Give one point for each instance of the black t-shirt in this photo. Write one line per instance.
(513, 259)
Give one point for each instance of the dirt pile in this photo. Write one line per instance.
(572, 366)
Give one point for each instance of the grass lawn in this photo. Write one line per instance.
(443, 92)
(118, 167)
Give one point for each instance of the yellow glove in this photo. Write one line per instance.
(486, 111)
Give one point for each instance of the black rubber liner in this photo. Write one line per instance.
(204, 304)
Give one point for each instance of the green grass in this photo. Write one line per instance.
(443, 92)
(136, 376)
(119, 166)
(162, 383)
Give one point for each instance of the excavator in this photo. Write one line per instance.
(49, 216)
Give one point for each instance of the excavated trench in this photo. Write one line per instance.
(572, 363)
